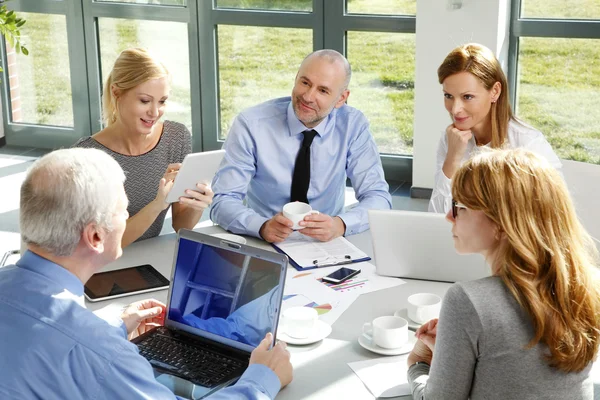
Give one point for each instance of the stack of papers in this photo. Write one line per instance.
(384, 377)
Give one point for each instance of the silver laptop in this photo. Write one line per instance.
(224, 297)
(419, 245)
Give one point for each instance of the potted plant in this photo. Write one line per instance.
(10, 26)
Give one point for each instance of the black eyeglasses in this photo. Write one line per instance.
(455, 206)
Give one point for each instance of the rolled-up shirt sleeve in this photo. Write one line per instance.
(257, 383)
(366, 174)
(230, 184)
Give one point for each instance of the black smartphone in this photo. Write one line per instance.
(124, 282)
(341, 275)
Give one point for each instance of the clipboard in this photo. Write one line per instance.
(306, 253)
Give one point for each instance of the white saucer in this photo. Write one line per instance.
(403, 313)
(230, 237)
(406, 348)
(322, 330)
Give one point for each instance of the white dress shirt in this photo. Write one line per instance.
(519, 136)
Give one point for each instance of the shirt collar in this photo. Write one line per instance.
(296, 127)
(55, 273)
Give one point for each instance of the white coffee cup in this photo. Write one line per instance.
(299, 322)
(388, 332)
(423, 307)
(296, 211)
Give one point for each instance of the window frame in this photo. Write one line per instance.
(202, 19)
(47, 136)
(562, 28)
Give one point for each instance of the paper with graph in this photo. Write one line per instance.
(305, 288)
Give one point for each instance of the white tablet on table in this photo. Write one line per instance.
(196, 167)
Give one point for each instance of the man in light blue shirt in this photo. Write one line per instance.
(264, 142)
(73, 215)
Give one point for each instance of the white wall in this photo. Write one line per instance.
(440, 28)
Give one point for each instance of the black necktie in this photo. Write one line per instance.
(301, 177)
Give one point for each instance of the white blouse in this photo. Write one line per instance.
(519, 135)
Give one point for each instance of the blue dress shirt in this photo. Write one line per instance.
(261, 152)
(52, 347)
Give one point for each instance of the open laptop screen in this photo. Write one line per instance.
(228, 295)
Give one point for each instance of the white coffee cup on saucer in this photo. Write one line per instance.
(230, 237)
(388, 332)
(423, 307)
(299, 322)
(296, 211)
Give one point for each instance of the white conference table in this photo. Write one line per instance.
(320, 370)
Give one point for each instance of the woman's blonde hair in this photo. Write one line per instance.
(133, 67)
(548, 261)
(482, 63)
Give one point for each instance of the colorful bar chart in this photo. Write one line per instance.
(350, 284)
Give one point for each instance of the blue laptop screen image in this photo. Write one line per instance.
(225, 293)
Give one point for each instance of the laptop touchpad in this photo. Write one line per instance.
(181, 387)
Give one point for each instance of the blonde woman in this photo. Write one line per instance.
(149, 150)
(530, 331)
(476, 97)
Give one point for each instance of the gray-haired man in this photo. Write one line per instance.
(73, 215)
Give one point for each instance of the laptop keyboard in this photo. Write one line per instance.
(195, 364)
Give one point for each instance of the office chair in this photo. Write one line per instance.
(7, 255)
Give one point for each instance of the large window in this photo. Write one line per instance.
(224, 56)
(382, 7)
(383, 87)
(561, 9)
(40, 84)
(159, 2)
(557, 49)
(170, 46)
(289, 5)
(252, 67)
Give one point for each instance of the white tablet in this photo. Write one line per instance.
(196, 167)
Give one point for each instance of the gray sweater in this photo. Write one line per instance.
(145, 171)
(480, 352)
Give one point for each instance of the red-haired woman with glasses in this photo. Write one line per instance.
(531, 330)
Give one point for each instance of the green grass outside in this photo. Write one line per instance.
(44, 75)
(257, 64)
(158, 2)
(559, 78)
(383, 87)
(354, 6)
(559, 86)
(580, 9)
(117, 35)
